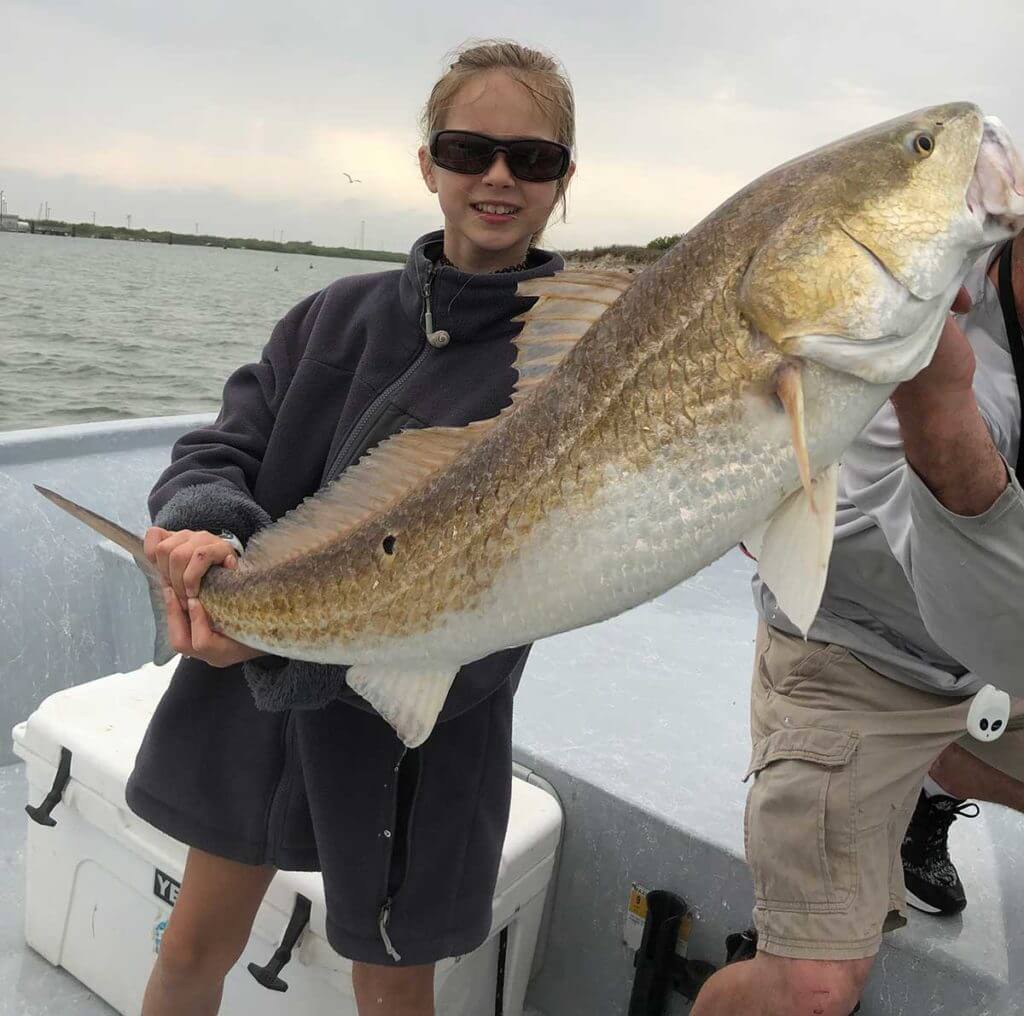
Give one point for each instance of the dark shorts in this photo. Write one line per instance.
(334, 790)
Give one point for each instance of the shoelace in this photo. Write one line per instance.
(943, 816)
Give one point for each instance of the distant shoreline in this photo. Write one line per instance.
(623, 257)
(54, 227)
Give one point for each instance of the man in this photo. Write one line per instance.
(923, 606)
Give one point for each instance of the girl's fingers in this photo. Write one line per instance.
(203, 558)
(179, 629)
(151, 540)
(168, 553)
(217, 650)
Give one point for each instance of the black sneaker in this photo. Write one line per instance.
(933, 885)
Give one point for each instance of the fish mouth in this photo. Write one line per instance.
(995, 196)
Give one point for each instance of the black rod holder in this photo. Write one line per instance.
(267, 976)
(656, 958)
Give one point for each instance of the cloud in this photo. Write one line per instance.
(244, 113)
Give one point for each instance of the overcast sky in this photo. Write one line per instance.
(241, 115)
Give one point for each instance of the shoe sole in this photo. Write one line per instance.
(927, 908)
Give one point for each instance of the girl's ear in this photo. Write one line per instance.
(427, 169)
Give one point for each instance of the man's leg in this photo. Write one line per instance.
(963, 775)
(965, 772)
(839, 755)
(774, 986)
(393, 991)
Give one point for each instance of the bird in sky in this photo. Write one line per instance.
(350, 180)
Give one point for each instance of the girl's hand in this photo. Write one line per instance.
(183, 558)
(191, 634)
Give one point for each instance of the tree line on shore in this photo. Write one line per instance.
(629, 254)
(305, 247)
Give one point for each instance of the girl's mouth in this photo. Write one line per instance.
(495, 211)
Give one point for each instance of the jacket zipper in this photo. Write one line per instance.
(391, 891)
(385, 910)
(434, 339)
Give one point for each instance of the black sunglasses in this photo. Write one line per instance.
(530, 159)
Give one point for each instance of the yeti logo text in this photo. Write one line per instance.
(165, 887)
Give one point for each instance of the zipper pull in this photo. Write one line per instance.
(438, 339)
(382, 927)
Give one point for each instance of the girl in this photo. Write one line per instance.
(260, 762)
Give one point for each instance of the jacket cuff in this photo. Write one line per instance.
(213, 507)
(278, 683)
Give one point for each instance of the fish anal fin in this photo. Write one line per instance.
(410, 701)
(389, 473)
(567, 305)
(793, 550)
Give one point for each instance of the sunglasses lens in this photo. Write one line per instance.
(462, 153)
(537, 160)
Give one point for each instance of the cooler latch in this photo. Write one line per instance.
(41, 813)
(267, 976)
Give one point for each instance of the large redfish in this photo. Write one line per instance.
(658, 421)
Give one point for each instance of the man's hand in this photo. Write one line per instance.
(944, 384)
(945, 437)
(183, 558)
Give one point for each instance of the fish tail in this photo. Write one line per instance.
(162, 651)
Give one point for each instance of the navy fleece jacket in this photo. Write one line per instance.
(344, 369)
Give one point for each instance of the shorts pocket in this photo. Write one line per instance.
(792, 661)
(800, 823)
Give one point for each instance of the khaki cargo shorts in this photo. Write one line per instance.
(839, 755)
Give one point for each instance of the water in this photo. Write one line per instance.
(107, 329)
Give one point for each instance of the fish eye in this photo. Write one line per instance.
(388, 544)
(924, 144)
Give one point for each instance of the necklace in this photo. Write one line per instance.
(521, 267)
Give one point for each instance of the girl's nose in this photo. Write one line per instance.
(498, 172)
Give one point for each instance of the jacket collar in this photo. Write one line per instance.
(468, 307)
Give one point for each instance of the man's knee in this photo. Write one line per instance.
(814, 987)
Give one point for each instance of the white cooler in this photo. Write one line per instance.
(100, 882)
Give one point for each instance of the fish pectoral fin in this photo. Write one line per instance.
(794, 549)
(409, 700)
(789, 387)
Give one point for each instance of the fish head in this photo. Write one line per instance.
(875, 235)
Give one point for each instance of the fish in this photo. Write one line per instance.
(658, 420)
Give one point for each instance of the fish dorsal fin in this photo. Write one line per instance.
(376, 483)
(567, 305)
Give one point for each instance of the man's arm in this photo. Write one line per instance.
(928, 472)
(945, 437)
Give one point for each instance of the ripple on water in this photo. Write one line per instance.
(124, 330)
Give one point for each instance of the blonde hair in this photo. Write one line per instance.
(540, 74)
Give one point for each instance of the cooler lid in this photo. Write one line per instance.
(101, 723)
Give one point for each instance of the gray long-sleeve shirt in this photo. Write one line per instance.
(924, 596)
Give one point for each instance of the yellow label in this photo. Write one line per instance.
(638, 901)
(636, 915)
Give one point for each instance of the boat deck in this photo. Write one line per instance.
(639, 724)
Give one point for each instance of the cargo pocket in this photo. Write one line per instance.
(799, 828)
